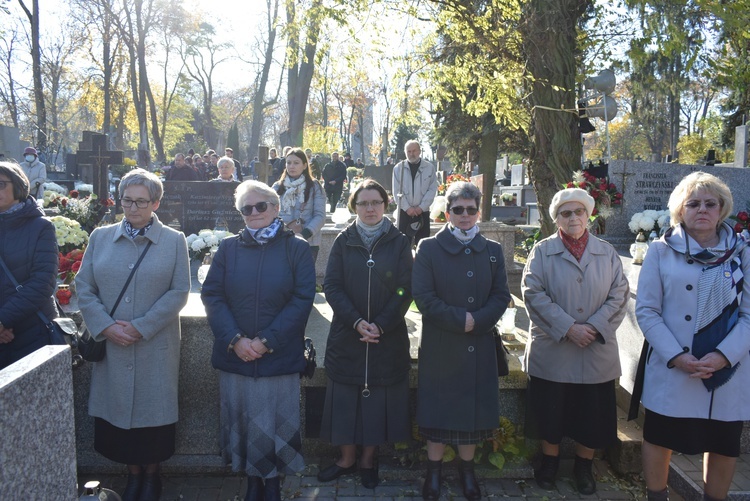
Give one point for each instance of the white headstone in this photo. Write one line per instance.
(741, 140)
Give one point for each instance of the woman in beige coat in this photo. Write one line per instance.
(134, 389)
(575, 294)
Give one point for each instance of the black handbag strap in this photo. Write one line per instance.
(44, 318)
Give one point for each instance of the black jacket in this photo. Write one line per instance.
(458, 370)
(346, 289)
(334, 171)
(29, 249)
(266, 290)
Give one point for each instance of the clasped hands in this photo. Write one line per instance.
(250, 349)
(703, 368)
(414, 211)
(122, 333)
(6, 335)
(370, 332)
(581, 335)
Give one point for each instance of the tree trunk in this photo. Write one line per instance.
(487, 165)
(259, 104)
(549, 31)
(36, 68)
(301, 71)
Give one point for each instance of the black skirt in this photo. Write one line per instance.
(349, 418)
(586, 413)
(136, 446)
(455, 437)
(693, 435)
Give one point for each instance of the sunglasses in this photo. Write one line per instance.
(458, 210)
(260, 208)
(567, 213)
(696, 204)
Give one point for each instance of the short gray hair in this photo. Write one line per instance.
(144, 178)
(410, 142)
(251, 186)
(462, 189)
(225, 160)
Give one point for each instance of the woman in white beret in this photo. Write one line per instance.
(575, 294)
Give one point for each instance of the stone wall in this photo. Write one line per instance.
(37, 447)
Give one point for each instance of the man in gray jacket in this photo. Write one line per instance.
(414, 188)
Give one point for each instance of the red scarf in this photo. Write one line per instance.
(576, 247)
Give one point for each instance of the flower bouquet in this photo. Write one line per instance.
(742, 222)
(603, 192)
(69, 264)
(206, 241)
(69, 234)
(453, 178)
(648, 221)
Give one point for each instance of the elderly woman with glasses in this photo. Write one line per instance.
(575, 293)
(226, 168)
(460, 286)
(693, 308)
(258, 296)
(134, 389)
(367, 284)
(29, 250)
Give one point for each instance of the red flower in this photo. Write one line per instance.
(74, 194)
(582, 185)
(65, 264)
(738, 228)
(64, 202)
(743, 216)
(571, 185)
(612, 186)
(594, 212)
(76, 266)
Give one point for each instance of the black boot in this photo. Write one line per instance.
(469, 480)
(706, 497)
(431, 488)
(662, 495)
(545, 475)
(133, 487)
(584, 476)
(151, 488)
(254, 489)
(272, 489)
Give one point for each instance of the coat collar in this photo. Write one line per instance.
(353, 238)
(594, 247)
(451, 244)
(152, 234)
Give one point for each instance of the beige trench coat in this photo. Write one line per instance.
(136, 386)
(558, 292)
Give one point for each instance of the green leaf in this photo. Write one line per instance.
(497, 459)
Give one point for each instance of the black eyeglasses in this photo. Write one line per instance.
(4, 184)
(128, 203)
(567, 213)
(260, 207)
(458, 210)
(372, 204)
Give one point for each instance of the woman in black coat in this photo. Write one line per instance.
(461, 289)
(367, 360)
(29, 249)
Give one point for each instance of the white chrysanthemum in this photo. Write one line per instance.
(205, 233)
(198, 245)
(605, 212)
(55, 188)
(663, 220)
(211, 240)
(191, 238)
(439, 205)
(578, 177)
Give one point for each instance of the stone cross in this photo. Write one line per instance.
(100, 157)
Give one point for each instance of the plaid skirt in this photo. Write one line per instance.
(260, 424)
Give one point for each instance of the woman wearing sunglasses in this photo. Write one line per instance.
(368, 285)
(460, 286)
(303, 202)
(575, 293)
(258, 295)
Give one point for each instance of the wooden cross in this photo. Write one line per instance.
(100, 157)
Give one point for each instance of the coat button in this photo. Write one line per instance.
(470, 274)
(467, 251)
(131, 266)
(689, 287)
(579, 280)
(127, 299)
(471, 349)
(690, 261)
(471, 299)
(130, 367)
(580, 310)
(688, 318)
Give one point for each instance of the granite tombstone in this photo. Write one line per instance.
(196, 205)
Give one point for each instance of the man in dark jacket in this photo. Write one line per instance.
(181, 170)
(334, 175)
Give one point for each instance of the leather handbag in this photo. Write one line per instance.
(310, 362)
(95, 351)
(502, 355)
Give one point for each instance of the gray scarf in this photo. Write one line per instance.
(370, 233)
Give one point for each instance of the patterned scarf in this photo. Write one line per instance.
(719, 293)
(370, 233)
(264, 235)
(294, 194)
(14, 208)
(464, 236)
(134, 232)
(576, 246)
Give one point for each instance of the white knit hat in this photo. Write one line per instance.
(571, 195)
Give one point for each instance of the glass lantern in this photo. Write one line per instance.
(639, 248)
(341, 216)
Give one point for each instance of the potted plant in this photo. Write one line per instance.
(507, 198)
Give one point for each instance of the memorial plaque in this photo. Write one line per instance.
(382, 174)
(518, 175)
(196, 205)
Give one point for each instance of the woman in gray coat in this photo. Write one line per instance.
(460, 287)
(303, 202)
(134, 389)
(575, 294)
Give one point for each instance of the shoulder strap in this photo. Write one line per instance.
(127, 282)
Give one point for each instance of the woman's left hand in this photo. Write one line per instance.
(710, 363)
(6, 335)
(250, 349)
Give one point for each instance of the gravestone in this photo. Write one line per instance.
(518, 175)
(382, 174)
(192, 206)
(71, 166)
(93, 151)
(741, 139)
(11, 145)
(647, 186)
